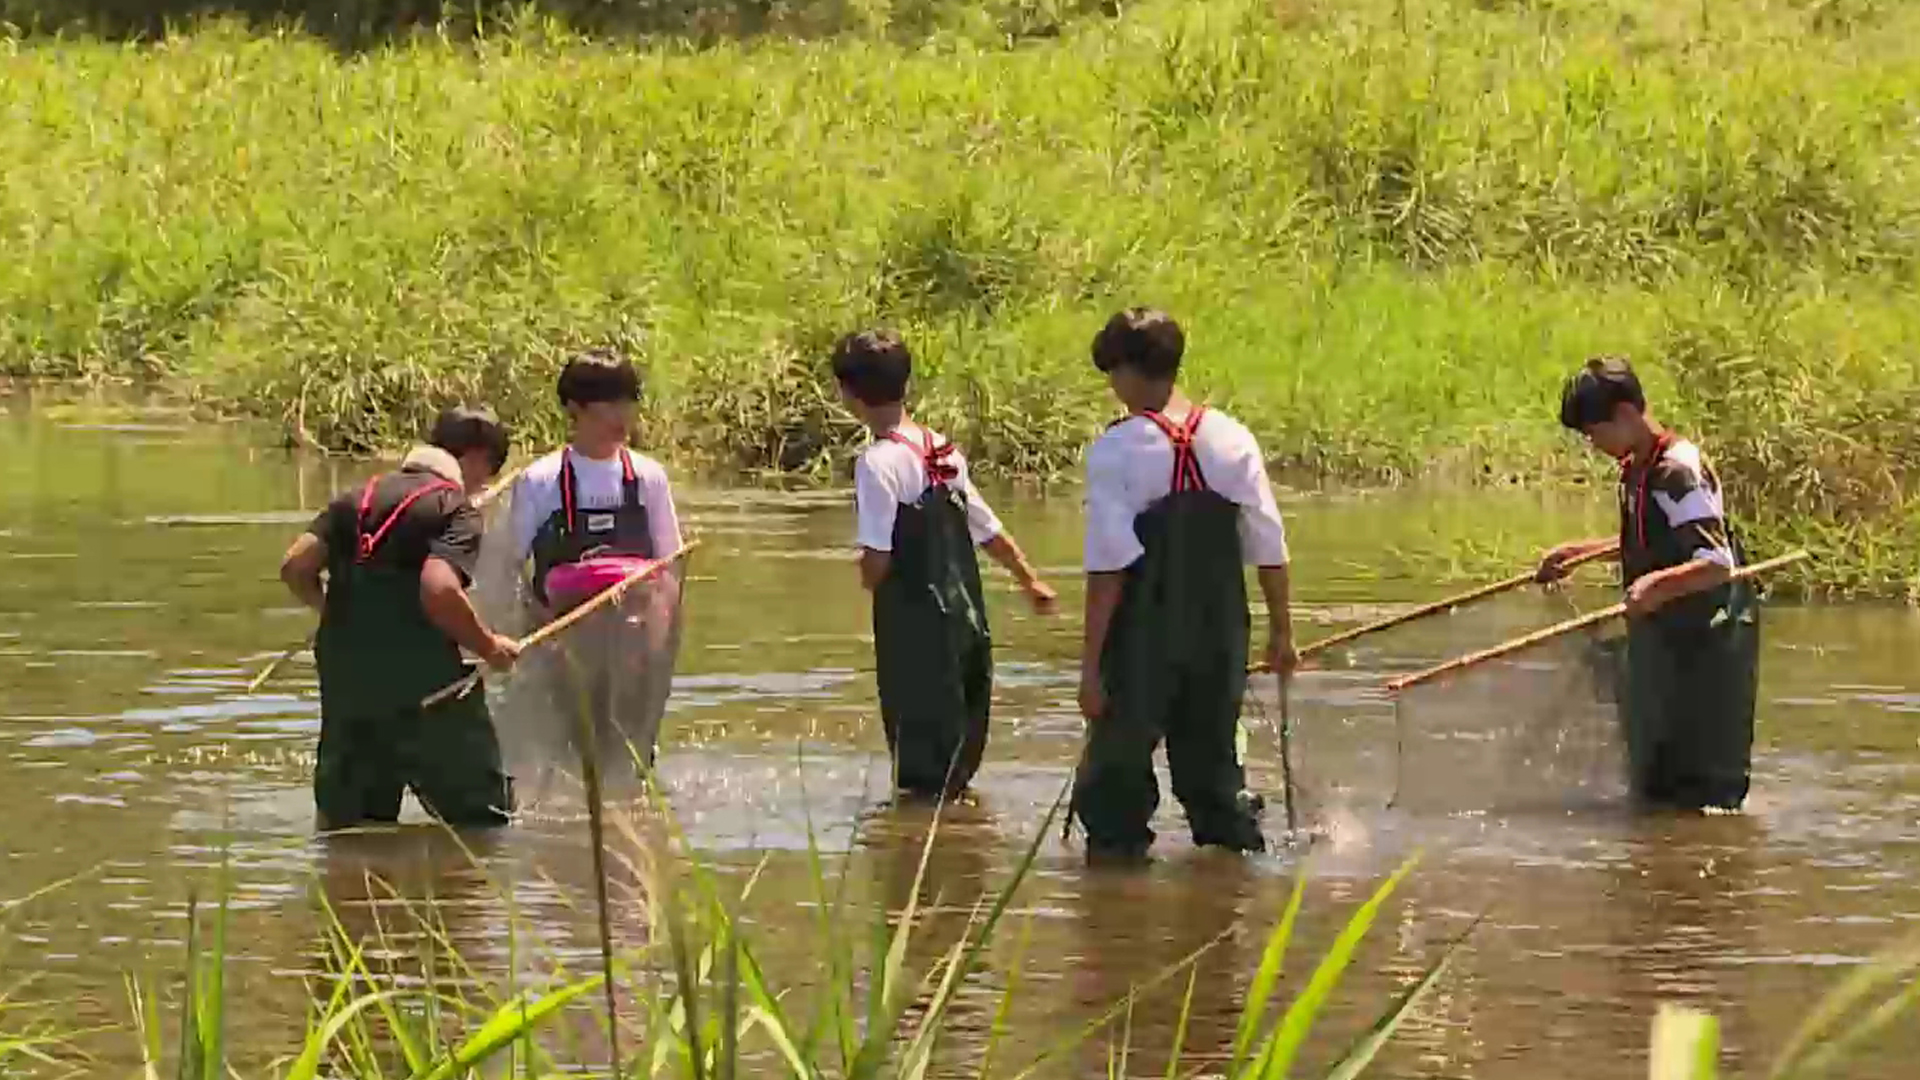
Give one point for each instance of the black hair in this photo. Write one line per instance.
(462, 429)
(874, 366)
(1143, 340)
(1601, 385)
(598, 375)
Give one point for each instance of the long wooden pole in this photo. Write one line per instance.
(493, 491)
(1448, 604)
(1527, 641)
(559, 625)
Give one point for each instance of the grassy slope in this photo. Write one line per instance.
(1391, 228)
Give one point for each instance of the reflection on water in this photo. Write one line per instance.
(137, 596)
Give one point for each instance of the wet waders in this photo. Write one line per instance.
(932, 651)
(378, 656)
(1687, 685)
(1174, 668)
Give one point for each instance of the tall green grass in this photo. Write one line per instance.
(1391, 226)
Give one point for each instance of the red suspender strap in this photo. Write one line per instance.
(570, 484)
(940, 469)
(567, 493)
(370, 543)
(1660, 447)
(1186, 462)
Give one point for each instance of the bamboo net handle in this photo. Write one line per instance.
(1434, 608)
(1451, 602)
(552, 629)
(1527, 641)
(479, 501)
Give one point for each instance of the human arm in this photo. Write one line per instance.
(1693, 511)
(876, 505)
(1553, 565)
(302, 570)
(443, 595)
(1005, 550)
(1650, 592)
(1274, 585)
(1103, 599)
(1263, 542)
(1111, 547)
(874, 566)
(451, 554)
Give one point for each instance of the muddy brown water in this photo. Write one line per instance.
(137, 596)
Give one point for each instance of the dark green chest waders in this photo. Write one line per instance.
(933, 655)
(378, 656)
(1687, 685)
(599, 668)
(1174, 668)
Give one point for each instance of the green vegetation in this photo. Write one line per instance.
(1391, 226)
(698, 1004)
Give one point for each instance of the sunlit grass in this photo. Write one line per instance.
(1390, 228)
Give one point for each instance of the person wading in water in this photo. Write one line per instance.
(919, 519)
(599, 500)
(1688, 682)
(1177, 502)
(387, 566)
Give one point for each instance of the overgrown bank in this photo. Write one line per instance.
(1390, 227)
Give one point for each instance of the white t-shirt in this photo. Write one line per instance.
(888, 475)
(1131, 467)
(536, 497)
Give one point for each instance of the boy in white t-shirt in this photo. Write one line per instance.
(919, 521)
(1177, 502)
(598, 498)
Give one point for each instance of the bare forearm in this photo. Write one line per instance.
(302, 571)
(1697, 576)
(308, 588)
(873, 568)
(1103, 599)
(1583, 548)
(450, 609)
(1276, 587)
(1004, 550)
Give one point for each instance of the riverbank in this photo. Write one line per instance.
(1391, 229)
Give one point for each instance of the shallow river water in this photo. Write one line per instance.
(137, 595)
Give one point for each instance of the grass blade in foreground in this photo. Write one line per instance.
(1686, 1045)
(508, 1024)
(1283, 1044)
(1357, 1059)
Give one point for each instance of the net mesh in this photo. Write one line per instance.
(601, 685)
(1536, 731)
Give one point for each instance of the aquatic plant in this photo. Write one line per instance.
(700, 1004)
(1390, 226)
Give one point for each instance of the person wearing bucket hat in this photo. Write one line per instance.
(387, 565)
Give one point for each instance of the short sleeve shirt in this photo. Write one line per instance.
(889, 475)
(536, 497)
(1131, 467)
(440, 524)
(1686, 493)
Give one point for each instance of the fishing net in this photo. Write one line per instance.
(1534, 731)
(600, 686)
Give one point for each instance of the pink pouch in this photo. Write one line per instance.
(571, 584)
